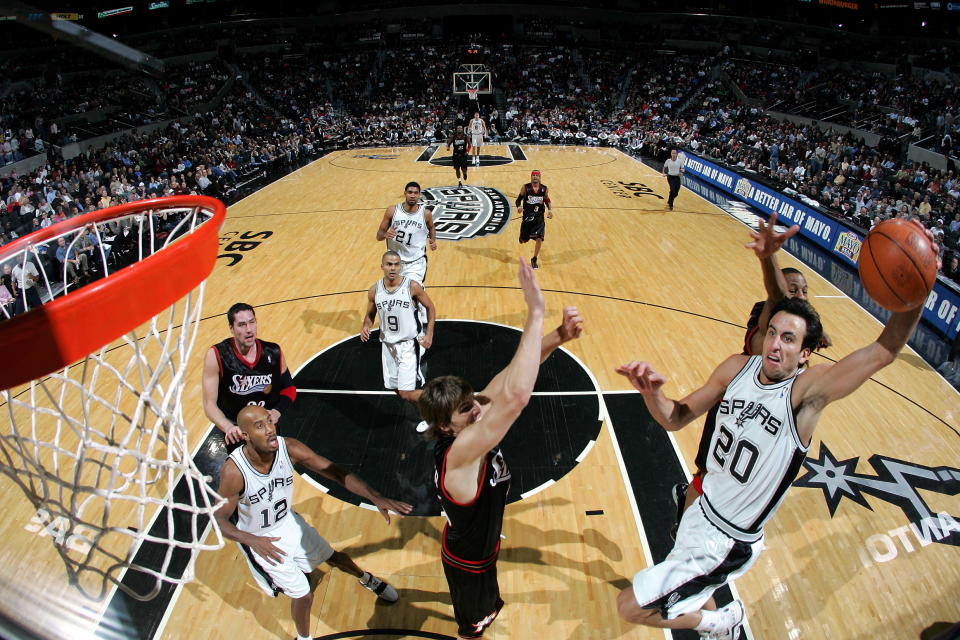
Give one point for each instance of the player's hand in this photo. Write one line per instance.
(825, 342)
(233, 435)
(642, 376)
(364, 334)
(550, 214)
(766, 241)
(274, 415)
(264, 547)
(425, 340)
(386, 505)
(433, 244)
(571, 326)
(391, 233)
(532, 294)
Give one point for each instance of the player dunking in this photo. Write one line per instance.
(460, 150)
(472, 478)
(779, 284)
(280, 548)
(478, 130)
(244, 370)
(765, 422)
(531, 202)
(402, 336)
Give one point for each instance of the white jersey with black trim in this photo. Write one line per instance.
(399, 320)
(476, 126)
(267, 498)
(755, 453)
(412, 233)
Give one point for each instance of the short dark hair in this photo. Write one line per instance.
(439, 399)
(237, 308)
(412, 184)
(388, 252)
(788, 270)
(802, 309)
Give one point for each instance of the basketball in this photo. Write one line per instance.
(898, 265)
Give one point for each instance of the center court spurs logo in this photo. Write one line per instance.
(896, 482)
(467, 211)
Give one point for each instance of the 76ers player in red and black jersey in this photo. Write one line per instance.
(531, 202)
(243, 370)
(472, 477)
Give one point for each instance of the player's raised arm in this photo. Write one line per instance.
(385, 231)
(510, 390)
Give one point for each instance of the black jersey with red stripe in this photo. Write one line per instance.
(534, 202)
(471, 539)
(752, 326)
(244, 383)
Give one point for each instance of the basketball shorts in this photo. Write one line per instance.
(461, 162)
(476, 599)
(702, 560)
(532, 227)
(415, 269)
(401, 365)
(476, 140)
(304, 548)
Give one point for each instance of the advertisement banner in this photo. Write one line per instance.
(942, 309)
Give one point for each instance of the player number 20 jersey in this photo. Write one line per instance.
(754, 455)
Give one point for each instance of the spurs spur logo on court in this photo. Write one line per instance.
(467, 211)
(896, 482)
(629, 189)
(245, 385)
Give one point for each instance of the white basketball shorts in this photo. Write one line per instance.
(702, 560)
(401, 365)
(304, 548)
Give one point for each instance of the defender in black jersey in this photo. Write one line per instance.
(243, 370)
(460, 157)
(472, 478)
(533, 199)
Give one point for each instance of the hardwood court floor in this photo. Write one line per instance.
(673, 288)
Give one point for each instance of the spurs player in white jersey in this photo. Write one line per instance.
(478, 131)
(279, 546)
(765, 423)
(408, 229)
(403, 336)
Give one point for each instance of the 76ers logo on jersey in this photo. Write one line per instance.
(467, 211)
(245, 385)
(500, 471)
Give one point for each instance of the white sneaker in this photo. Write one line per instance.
(422, 426)
(730, 622)
(383, 590)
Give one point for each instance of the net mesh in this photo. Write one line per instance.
(100, 447)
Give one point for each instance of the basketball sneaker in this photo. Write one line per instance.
(459, 183)
(729, 623)
(383, 590)
(533, 263)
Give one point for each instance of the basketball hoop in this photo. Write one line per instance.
(92, 388)
(472, 94)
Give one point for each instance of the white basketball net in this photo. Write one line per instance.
(99, 446)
